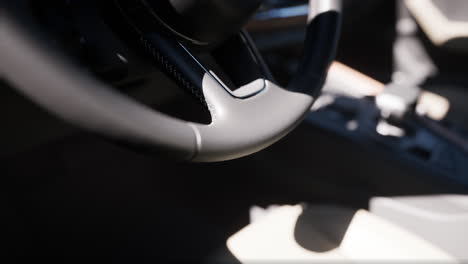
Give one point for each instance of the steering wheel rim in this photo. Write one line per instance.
(241, 125)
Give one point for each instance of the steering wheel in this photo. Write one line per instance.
(245, 119)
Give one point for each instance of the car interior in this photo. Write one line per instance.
(234, 131)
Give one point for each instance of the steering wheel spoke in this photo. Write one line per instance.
(244, 126)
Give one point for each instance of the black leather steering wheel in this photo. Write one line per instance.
(244, 120)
